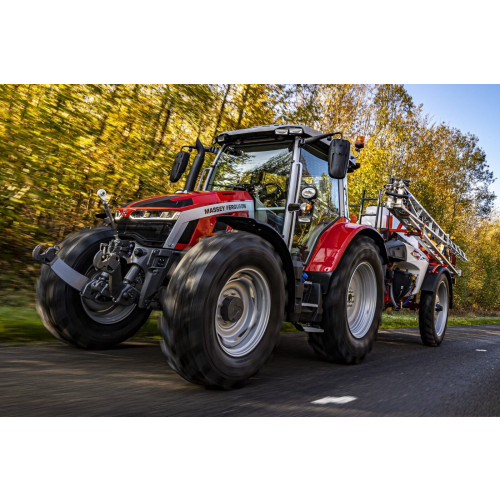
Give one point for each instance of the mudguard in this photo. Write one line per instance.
(431, 278)
(333, 243)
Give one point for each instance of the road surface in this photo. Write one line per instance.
(400, 378)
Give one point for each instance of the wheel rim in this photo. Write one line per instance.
(104, 310)
(441, 309)
(361, 300)
(243, 310)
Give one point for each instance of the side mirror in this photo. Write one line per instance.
(180, 165)
(338, 158)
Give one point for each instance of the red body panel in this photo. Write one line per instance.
(332, 244)
(326, 255)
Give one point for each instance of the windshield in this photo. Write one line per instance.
(261, 169)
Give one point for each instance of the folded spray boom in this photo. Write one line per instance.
(415, 221)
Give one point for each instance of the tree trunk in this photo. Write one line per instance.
(221, 112)
(162, 134)
(243, 105)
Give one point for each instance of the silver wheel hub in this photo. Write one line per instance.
(243, 310)
(361, 300)
(441, 309)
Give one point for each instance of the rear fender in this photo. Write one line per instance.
(272, 236)
(335, 240)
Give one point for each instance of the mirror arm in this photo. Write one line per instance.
(196, 167)
(208, 149)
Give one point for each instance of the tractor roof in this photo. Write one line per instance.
(267, 132)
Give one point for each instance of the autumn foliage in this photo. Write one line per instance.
(60, 143)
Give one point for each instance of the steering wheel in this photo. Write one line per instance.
(274, 196)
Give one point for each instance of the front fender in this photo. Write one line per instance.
(269, 234)
(335, 240)
(431, 279)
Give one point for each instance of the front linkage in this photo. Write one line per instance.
(106, 280)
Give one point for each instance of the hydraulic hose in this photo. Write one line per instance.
(391, 295)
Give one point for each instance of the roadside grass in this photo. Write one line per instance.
(410, 320)
(22, 324)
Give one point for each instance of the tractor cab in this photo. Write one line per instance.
(285, 169)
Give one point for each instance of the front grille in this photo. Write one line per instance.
(149, 234)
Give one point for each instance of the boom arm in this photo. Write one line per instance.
(405, 207)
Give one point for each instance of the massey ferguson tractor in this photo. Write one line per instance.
(261, 236)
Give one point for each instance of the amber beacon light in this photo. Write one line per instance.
(360, 142)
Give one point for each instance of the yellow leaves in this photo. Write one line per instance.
(73, 139)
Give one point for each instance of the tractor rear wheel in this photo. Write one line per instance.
(433, 313)
(223, 310)
(352, 306)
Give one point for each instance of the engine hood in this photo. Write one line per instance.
(183, 201)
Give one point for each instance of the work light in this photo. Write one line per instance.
(155, 215)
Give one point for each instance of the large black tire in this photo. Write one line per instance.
(432, 322)
(337, 343)
(191, 310)
(60, 306)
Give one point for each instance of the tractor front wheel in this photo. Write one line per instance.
(223, 310)
(82, 322)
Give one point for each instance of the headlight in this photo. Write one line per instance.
(155, 215)
(309, 193)
(118, 215)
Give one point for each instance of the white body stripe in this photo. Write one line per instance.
(199, 213)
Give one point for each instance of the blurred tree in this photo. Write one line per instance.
(60, 143)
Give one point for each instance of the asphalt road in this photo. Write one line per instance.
(400, 378)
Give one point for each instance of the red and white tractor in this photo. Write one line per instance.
(261, 236)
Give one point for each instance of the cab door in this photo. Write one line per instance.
(325, 207)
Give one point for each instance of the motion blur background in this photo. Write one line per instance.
(60, 143)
